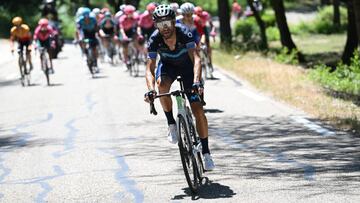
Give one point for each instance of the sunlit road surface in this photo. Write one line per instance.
(93, 140)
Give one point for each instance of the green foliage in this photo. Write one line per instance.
(269, 18)
(273, 34)
(246, 29)
(286, 56)
(323, 23)
(67, 22)
(345, 79)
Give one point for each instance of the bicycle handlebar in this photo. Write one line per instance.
(173, 93)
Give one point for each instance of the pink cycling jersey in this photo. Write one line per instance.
(128, 23)
(146, 20)
(43, 35)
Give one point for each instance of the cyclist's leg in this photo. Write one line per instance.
(27, 45)
(46, 45)
(207, 41)
(164, 78)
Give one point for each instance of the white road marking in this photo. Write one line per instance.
(252, 95)
(312, 126)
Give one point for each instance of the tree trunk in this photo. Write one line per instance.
(336, 19)
(352, 37)
(224, 17)
(285, 35)
(356, 4)
(260, 22)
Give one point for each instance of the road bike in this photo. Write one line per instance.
(90, 56)
(188, 141)
(133, 59)
(206, 66)
(45, 63)
(24, 70)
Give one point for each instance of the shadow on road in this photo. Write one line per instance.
(279, 147)
(210, 190)
(10, 83)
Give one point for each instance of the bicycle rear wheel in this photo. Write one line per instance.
(187, 156)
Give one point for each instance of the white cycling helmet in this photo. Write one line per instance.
(122, 6)
(174, 6)
(96, 11)
(163, 11)
(187, 8)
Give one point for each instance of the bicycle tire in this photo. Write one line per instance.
(22, 70)
(200, 166)
(186, 153)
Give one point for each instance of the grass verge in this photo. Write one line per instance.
(292, 85)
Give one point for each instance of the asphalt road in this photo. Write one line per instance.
(93, 140)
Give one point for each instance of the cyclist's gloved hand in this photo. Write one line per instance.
(213, 34)
(150, 96)
(198, 87)
(125, 38)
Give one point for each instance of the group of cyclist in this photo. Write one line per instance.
(172, 32)
(102, 27)
(43, 34)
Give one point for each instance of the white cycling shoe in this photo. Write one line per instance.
(172, 134)
(208, 162)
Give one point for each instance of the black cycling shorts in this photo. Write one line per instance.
(23, 44)
(172, 73)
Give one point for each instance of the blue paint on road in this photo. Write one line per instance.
(123, 179)
(46, 186)
(69, 139)
(89, 102)
(19, 143)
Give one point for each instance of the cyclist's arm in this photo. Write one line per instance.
(150, 73)
(195, 57)
(12, 39)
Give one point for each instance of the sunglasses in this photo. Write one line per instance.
(163, 24)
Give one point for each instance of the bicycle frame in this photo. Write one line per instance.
(189, 143)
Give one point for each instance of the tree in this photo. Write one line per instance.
(336, 18)
(285, 35)
(260, 22)
(356, 4)
(225, 29)
(352, 37)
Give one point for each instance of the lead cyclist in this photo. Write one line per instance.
(178, 57)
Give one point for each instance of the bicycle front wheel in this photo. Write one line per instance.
(187, 156)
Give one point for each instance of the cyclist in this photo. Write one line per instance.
(187, 11)
(21, 33)
(88, 28)
(146, 22)
(49, 7)
(43, 38)
(128, 24)
(178, 56)
(201, 19)
(107, 30)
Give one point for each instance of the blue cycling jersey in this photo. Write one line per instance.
(87, 27)
(177, 58)
(191, 29)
